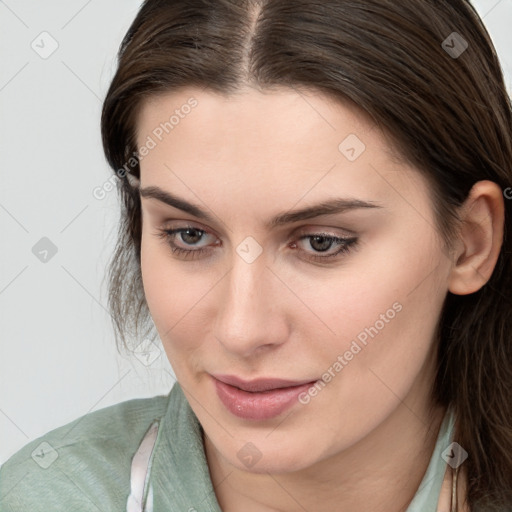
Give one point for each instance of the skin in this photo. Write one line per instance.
(364, 441)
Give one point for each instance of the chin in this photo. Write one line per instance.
(274, 459)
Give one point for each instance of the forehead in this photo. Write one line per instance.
(265, 146)
(266, 120)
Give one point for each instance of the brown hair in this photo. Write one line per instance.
(448, 115)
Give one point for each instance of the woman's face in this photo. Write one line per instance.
(348, 297)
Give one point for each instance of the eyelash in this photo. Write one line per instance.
(168, 235)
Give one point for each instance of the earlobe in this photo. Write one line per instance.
(481, 238)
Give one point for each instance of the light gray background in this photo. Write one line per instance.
(58, 359)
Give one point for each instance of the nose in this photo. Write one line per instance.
(251, 314)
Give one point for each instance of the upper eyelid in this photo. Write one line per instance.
(299, 231)
(345, 244)
(301, 234)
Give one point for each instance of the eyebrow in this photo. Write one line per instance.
(328, 207)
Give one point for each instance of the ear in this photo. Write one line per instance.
(480, 238)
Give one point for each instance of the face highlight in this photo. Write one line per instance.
(345, 300)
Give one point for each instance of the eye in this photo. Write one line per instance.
(188, 235)
(318, 242)
(323, 242)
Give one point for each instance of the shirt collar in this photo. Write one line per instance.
(180, 478)
(427, 495)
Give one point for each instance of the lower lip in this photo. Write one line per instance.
(258, 406)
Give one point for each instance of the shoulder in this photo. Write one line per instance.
(83, 465)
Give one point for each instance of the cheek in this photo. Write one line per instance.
(385, 298)
(391, 271)
(386, 316)
(165, 286)
(173, 293)
(156, 276)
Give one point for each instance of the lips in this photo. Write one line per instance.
(258, 399)
(259, 385)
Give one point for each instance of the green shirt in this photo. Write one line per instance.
(86, 465)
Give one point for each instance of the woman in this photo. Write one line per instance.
(315, 217)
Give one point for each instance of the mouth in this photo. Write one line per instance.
(258, 399)
(259, 385)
